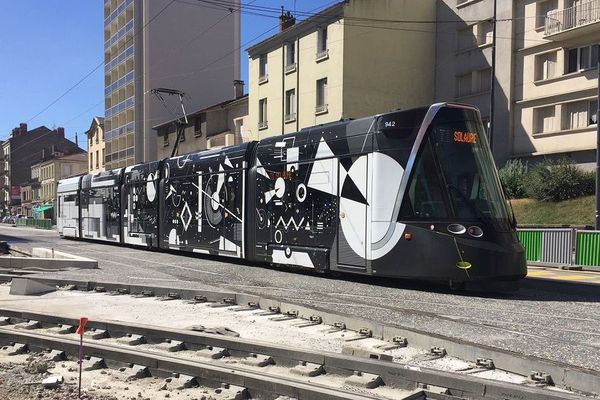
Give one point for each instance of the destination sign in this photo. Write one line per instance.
(465, 137)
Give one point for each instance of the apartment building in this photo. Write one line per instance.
(162, 44)
(55, 169)
(95, 142)
(341, 63)
(463, 66)
(23, 149)
(212, 127)
(556, 79)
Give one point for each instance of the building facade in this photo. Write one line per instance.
(328, 66)
(95, 142)
(162, 44)
(556, 79)
(463, 66)
(53, 170)
(23, 149)
(216, 126)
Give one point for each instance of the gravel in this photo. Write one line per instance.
(556, 326)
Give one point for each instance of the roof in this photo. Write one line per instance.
(75, 157)
(328, 15)
(97, 121)
(214, 107)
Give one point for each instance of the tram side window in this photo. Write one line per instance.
(424, 199)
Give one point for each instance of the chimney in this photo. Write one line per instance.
(286, 19)
(23, 128)
(60, 131)
(238, 88)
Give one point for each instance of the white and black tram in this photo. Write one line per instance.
(408, 194)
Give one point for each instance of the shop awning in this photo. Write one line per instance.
(43, 208)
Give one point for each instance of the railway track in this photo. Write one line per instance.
(253, 369)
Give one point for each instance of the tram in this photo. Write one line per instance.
(407, 194)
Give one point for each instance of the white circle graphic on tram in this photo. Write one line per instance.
(367, 205)
(150, 188)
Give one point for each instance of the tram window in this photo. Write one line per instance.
(424, 198)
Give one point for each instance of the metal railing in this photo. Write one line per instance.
(561, 247)
(580, 14)
(34, 223)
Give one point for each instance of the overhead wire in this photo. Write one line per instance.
(97, 67)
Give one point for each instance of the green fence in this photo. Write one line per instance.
(35, 223)
(587, 250)
(532, 241)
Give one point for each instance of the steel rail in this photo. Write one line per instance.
(207, 371)
(564, 375)
(395, 375)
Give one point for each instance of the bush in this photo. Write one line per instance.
(558, 180)
(513, 176)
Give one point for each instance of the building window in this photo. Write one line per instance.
(290, 105)
(199, 122)
(581, 58)
(103, 160)
(545, 119)
(322, 50)
(97, 137)
(97, 159)
(262, 114)
(321, 96)
(165, 137)
(542, 10)
(593, 112)
(290, 57)
(579, 114)
(464, 84)
(484, 80)
(545, 66)
(91, 163)
(263, 69)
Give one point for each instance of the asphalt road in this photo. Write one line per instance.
(537, 321)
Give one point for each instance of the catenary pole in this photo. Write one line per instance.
(598, 155)
(493, 78)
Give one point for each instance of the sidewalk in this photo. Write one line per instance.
(547, 273)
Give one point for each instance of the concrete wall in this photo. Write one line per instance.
(385, 67)
(454, 58)
(180, 52)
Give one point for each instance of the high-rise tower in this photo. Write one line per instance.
(188, 46)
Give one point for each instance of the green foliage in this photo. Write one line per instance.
(558, 180)
(513, 176)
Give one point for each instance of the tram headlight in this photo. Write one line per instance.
(475, 231)
(457, 229)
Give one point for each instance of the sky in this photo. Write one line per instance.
(48, 46)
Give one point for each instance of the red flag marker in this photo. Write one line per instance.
(80, 331)
(81, 328)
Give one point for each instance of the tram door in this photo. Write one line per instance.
(352, 214)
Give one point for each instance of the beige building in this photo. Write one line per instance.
(216, 126)
(342, 63)
(556, 79)
(95, 139)
(51, 171)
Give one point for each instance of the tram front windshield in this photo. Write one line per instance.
(467, 166)
(455, 176)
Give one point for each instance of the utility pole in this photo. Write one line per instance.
(493, 78)
(598, 155)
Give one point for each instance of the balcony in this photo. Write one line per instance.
(571, 22)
